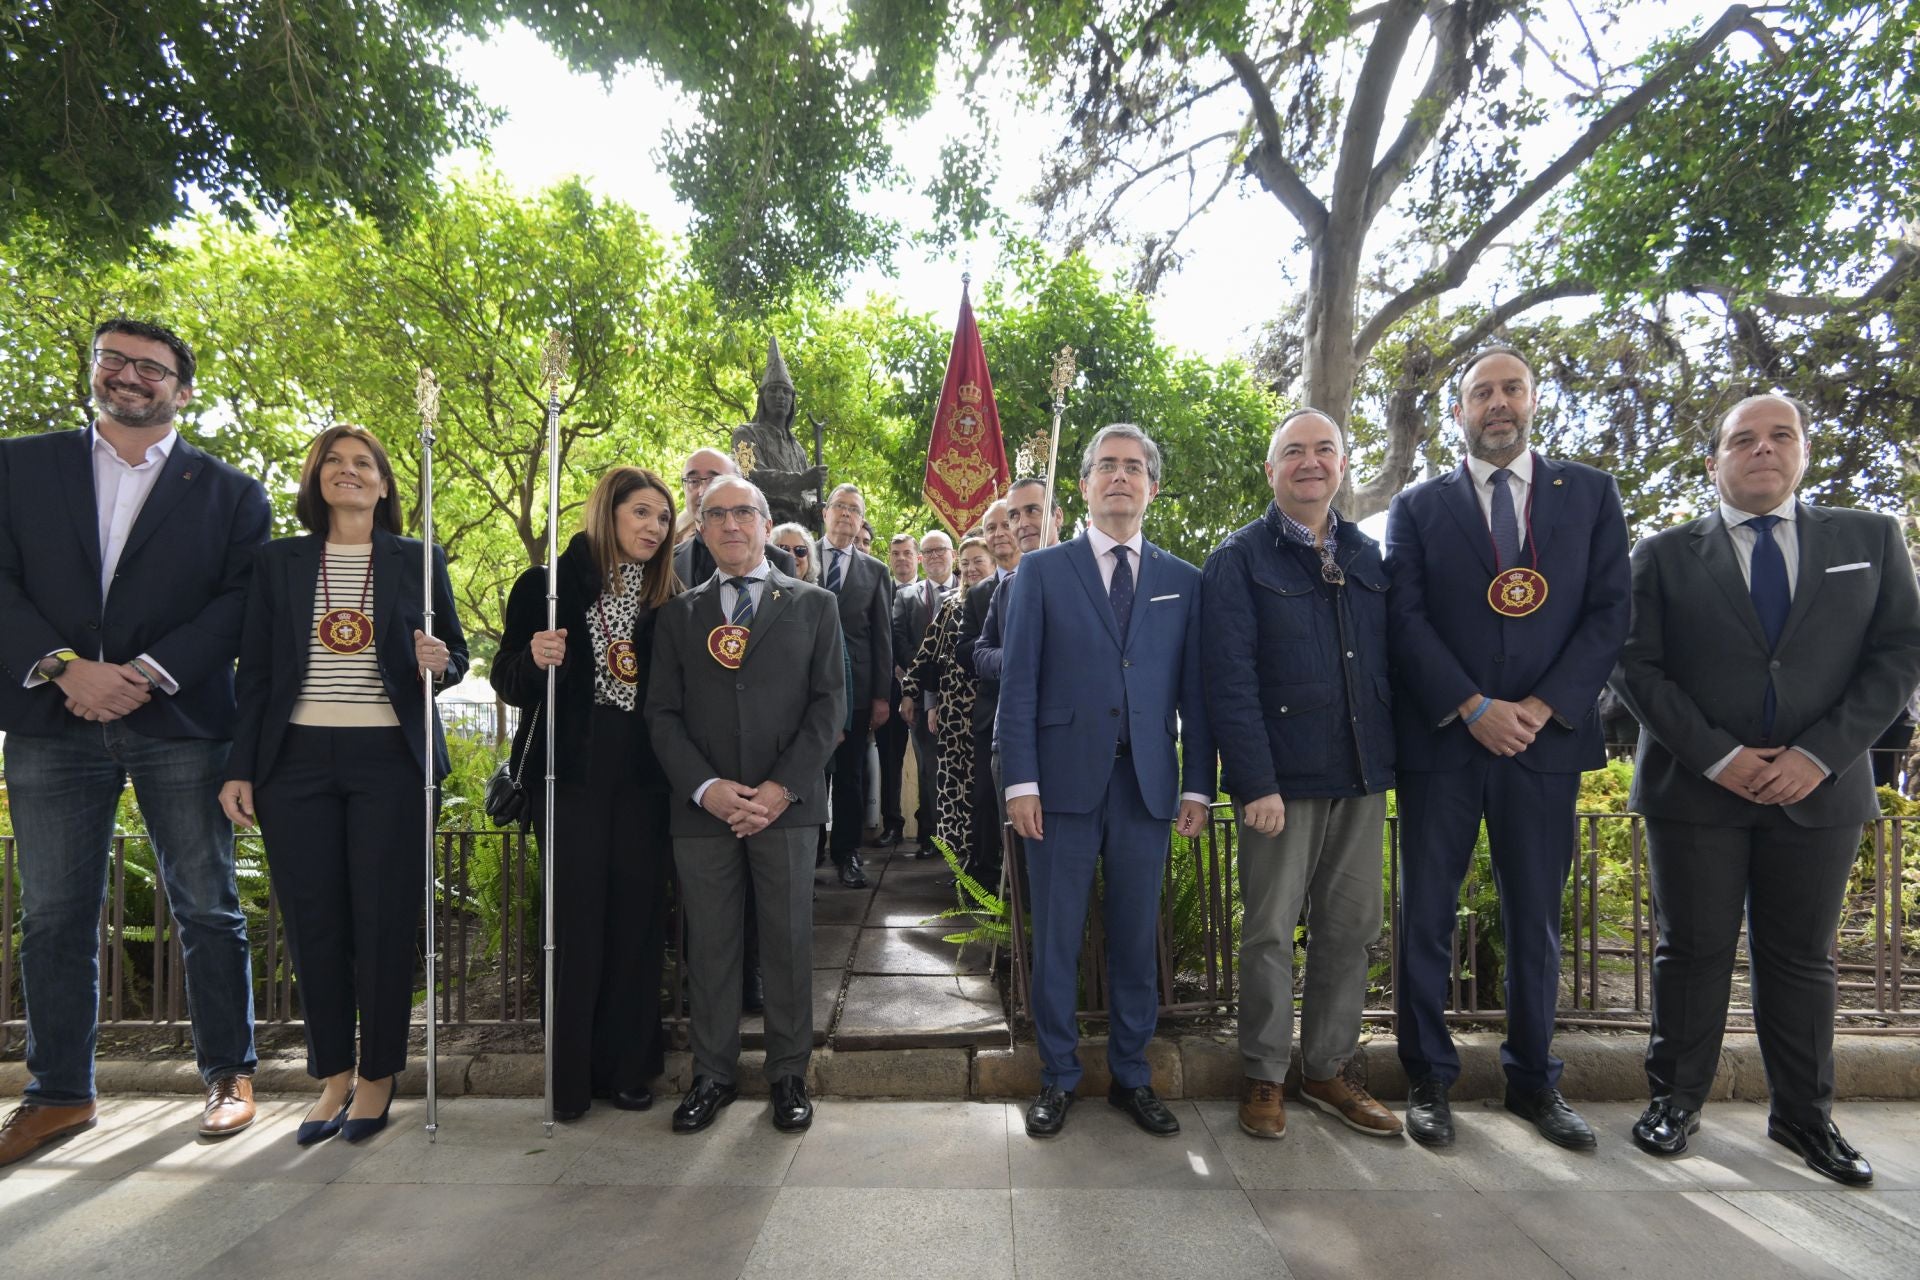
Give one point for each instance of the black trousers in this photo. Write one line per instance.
(344, 818)
(926, 753)
(983, 860)
(891, 738)
(849, 781)
(1790, 882)
(612, 856)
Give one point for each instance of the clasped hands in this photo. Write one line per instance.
(1771, 775)
(103, 691)
(746, 810)
(1507, 728)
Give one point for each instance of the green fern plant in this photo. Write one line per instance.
(974, 902)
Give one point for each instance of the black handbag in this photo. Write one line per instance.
(506, 801)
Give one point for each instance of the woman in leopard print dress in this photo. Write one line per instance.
(936, 670)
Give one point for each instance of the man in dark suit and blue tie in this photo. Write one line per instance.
(1507, 610)
(864, 590)
(1772, 642)
(124, 559)
(1100, 691)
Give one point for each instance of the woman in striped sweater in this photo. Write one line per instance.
(330, 752)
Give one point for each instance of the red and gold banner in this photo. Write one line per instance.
(966, 458)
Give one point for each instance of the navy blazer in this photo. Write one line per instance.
(276, 641)
(178, 593)
(1447, 643)
(1065, 668)
(866, 620)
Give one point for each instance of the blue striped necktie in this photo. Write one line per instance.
(834, 557)
(742, 602)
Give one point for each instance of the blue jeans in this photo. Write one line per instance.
(64, 790)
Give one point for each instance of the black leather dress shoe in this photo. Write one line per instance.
(702, 1103)
(638, 1098)
(1144, 1105)
(1047, 1113)
(1824, 1150)
(1663, 1128)
(1557, 1122)
(792, 1109)
(1429, 1117)
(890, 838)
(851, 875)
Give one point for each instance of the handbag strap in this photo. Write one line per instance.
(526, 747)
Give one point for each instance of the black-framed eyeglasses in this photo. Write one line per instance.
(114, 361)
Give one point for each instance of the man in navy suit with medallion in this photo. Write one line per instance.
(1101, 675)
(1507, 610)
(125, 554)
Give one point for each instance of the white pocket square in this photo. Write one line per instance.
(1158, 599)
(1848, 568)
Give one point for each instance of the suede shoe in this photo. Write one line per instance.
(1662, 1128)
(1822, 1147)
(702, 1103)
(1144, 1105)
(229, 1107)
(1429, 1114)
(31, 1126)
(1347, 1101)
(1047, 1113)
(1557, 1122)
(1262, 1112)
(792, 1109)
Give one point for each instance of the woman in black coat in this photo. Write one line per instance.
(612, 852)
(331, 751)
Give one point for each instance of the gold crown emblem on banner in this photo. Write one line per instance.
(970, 394)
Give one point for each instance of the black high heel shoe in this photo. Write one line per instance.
(313, 1131)
(360, 1130)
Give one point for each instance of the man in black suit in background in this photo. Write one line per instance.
(903, 562)
(866, 620)
(913, 610)
(124, 559)
(1772, 642)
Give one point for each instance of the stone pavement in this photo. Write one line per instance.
(926, 1189)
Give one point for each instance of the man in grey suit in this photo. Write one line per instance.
(865, 593)
(1771, 643)
(747, 695)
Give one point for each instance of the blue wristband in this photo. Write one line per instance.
(1477, 712)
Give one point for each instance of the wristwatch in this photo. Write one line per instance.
(55, 664)
(791, 797)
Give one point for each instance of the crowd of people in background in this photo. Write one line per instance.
(1066, 703)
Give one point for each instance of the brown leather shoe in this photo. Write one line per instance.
(1262, 1113)
(229, 1106)
(1344, 1098)
(31, 1127)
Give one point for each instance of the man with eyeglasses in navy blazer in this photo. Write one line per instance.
(124, 559)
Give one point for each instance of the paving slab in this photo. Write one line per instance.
(1319, 1153)
(826, 995)
(1063, 1234)
(1694, 1234)
(1102, 1148)
(917, 950)
(1435, 1235)
(835, 905)
(902, 1012)
(1495, 1150)
(833, 946)
(503, 1143)
(824, 1233)
(740, 1149)
(905, 1144)
(1869, 1236)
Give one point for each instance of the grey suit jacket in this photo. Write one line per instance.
(778, 716)
(1695, 666)
(866, 616)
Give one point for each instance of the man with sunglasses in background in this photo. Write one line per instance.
(124, 559)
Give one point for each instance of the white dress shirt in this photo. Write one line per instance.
(729, 595)
(1519, 484)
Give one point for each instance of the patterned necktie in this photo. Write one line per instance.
(742, 602)
(1120, 590)
(1772, 598)
(835, 556)
(1506, 529)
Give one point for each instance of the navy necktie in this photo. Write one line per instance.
(1120, 591)
(742, 602)
(835, 556)
(1772, 598)
(1506, 529)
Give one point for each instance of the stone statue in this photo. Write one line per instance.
(777, 462)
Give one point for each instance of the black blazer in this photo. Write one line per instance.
(179, 592)
(274, 645)
(1696, 664)
(866, 619)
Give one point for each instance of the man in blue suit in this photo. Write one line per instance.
(1101, 674)
(1507, 609)
(124, 559)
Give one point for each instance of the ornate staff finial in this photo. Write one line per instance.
(553, 361)
(1064, 368)
(426, 397)
(743, 457)
(1030, 459)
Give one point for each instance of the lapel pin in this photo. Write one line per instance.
(1559, 482)
(776, 595)
(186, 475)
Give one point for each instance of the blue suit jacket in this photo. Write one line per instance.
(1447, 643)
(178, 593)
(1065, 668)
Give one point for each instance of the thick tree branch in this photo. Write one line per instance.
(1452, 273)
(1360, 138)
(1266, 159)
(1519, 304)
(1446, 84)
(1905, 265)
